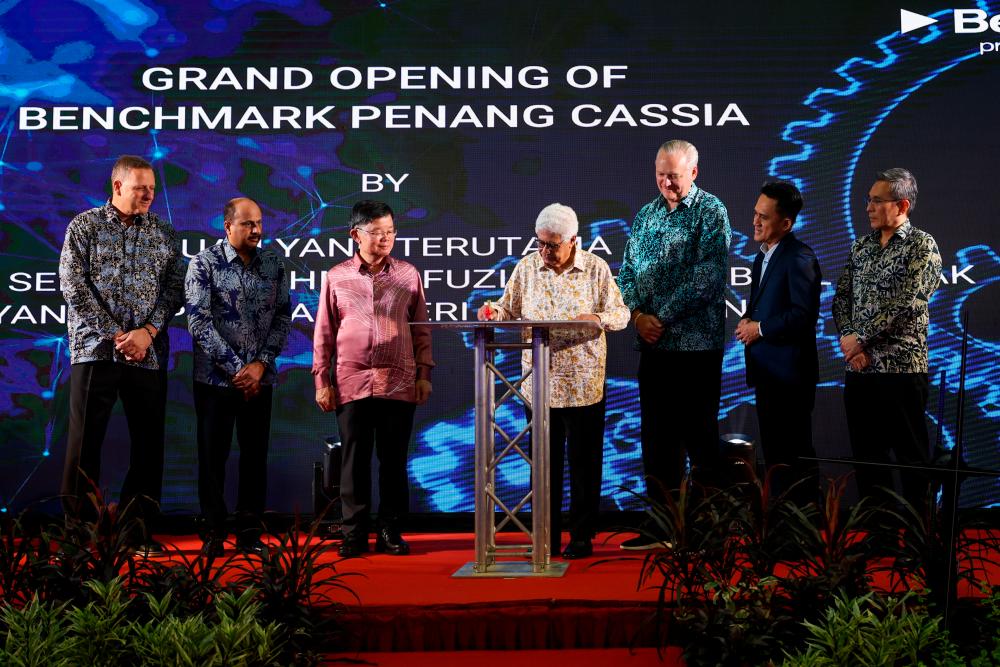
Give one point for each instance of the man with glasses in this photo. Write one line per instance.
(239, 315)
(881, 312)
(122, 275)
(373, 369)
(565, 282)
(673, 279)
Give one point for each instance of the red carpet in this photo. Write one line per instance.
(414, 604)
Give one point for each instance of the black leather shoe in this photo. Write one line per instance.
(578, 549)
(252, 547)
(213, 547)
(148, 547)
(352, 546)
(389, 540)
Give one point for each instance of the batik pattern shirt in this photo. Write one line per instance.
(579, 356)
(117, 278)
(675, 269)
(237, 313)
(363, 333)
(883, 297)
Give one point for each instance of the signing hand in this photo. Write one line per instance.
(649, 328)
(486, 312)
(326, 399)
(587, 317)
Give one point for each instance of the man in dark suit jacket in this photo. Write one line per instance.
(779, 332)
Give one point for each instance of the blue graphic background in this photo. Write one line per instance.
(830, 100)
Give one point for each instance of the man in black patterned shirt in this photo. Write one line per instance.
(122, 276)
(881, 312)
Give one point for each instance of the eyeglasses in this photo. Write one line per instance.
(378, 236)
(545, 245)
(879, 200)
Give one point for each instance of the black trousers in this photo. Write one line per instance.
(885, 412)
(576, 436)
(383, 425)
(94, 388)
(784, 416)
(679, 405)
(218, 410)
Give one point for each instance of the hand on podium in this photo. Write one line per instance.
(486, 312)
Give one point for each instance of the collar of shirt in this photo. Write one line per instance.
(231, 253)
(903, 232)
(111, 214)
(362, 266)
(768, 251)
(578, 263)
(686, 202)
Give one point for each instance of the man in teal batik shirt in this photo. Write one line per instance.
(673, 279)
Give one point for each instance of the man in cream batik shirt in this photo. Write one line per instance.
(564, 282)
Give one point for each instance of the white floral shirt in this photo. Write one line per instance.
(536, 292)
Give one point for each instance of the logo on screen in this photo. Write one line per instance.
(966, 21)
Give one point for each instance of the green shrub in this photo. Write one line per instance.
(871, 631)
(100, 633)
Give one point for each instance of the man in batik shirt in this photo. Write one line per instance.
(673, 279)
(881, 311)
(565, 282)
(122, 276)
(239, 314)
(373, 368)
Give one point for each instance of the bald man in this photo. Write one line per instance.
(239, 314)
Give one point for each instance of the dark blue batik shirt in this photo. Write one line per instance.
(237, 313)
(675, 268)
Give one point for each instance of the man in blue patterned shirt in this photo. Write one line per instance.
(239, 315)
(122, 276)
(881, 309)
(673, 279)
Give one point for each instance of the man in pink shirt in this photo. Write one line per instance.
(373, 369)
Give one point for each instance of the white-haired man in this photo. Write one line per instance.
(565, 282)
(673, 279)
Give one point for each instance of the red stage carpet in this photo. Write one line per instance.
(413, 611)
(414, 603)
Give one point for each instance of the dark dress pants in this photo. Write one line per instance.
(576, 435)
(382, 425)
(784, 416)
(679, 404)
(886, 412)
(219, 410)
(94, 388)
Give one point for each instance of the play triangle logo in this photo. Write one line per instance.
(911, 21)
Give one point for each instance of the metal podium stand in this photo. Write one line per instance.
(487, 552)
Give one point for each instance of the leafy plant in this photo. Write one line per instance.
(833, 551)
(99, 633)
(236, 637)
(95, 549)
(22, 557)
(871, 631)
(739, 624)
(917, 547)
(297, 584)
(34, 634)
